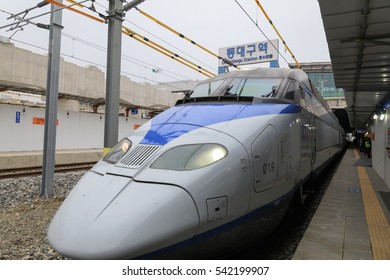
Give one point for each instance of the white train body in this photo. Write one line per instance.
(210, 175)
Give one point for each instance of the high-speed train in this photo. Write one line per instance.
(211, 175)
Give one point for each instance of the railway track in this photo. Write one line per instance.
(32, 171)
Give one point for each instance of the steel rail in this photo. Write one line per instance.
(37, 170)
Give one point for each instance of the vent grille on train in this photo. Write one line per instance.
(138, 156)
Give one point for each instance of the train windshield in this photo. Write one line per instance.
(206, 89)
(253, 87)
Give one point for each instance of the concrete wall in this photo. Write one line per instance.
(24, 69)
(74, 131)
(380, 157)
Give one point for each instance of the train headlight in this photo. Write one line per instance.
(118, 151)
(190, 157)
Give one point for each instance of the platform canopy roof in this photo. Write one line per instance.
(358, 35)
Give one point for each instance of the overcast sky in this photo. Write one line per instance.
(212, 23)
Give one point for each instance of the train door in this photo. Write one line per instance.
(307, 146)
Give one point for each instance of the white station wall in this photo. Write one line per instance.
(74, 131)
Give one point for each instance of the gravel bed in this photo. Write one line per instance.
(25, 217)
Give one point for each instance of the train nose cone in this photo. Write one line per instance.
(113, 217)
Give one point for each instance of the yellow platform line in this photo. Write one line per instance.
(378, 226)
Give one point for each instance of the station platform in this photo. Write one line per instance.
(14, 160)
(352, 220)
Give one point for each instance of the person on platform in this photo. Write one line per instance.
(361, 145)
(367, 146)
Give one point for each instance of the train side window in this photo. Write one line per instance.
(318, 108)
(290, 93)
(309, 102)
(302, 95)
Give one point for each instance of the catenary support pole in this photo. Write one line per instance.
(113, 73)
(53, 69)
(115, 17)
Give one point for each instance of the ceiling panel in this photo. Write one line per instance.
(358, 34)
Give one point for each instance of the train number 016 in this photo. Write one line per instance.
(268, 167)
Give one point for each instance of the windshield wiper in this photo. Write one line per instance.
(272, 92)
(188, 93)
(227, 92)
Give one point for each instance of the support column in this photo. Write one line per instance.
(53, 70)
(113, 74)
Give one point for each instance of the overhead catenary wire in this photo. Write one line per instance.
(43, 14)
(169, 44)
(185, 37)
(125, 57)
(145, 64)
(39, 5)
(269, 40)
(92, 8)
(75, 10)
(277, 32)
(155, 36)
(97, 3)
(8, 13)
(140, 38)
(96, 64)
(163, 50)
(74, 2)
(166, 52)
(18, 26)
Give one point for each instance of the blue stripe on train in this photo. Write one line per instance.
(177, 121)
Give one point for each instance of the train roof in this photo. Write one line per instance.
(295, 74)
(266, 72)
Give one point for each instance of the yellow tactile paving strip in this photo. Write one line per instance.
(378, 226)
